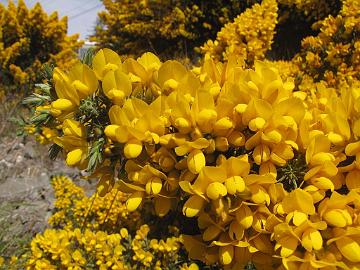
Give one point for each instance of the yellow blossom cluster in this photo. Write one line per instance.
(30, 38)
(168, 28)
(312, 10)
(261, 172)
(74, 209)
(333, 56)
(71, 244)
(242, 39)
(324, 43)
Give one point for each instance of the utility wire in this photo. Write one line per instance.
(68, 12)
(84, 12)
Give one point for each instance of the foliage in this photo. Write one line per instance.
(333, 56)
(239, 38)
(267, 173)
(83, 235)
(28, 39)
(168, 28)
(275, 22)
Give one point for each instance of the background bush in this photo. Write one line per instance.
(166, 27)
(29, 38)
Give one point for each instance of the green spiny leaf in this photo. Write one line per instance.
(95, 154)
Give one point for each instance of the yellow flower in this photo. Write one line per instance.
(347, 241)
(71, 88)
(74, 143)
(105, 60)
(335, 210)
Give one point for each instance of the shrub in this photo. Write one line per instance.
(29, 39)
(241, 39)
(276, 22)
(168, 28)
(261, 172)
(333, 56)
(83, 235)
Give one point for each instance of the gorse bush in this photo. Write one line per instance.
(177, 29)
(263, 172)
(168, 28)
(334, 55)
(29, 39)
(328, 53)
(83, 235)
(241, 40)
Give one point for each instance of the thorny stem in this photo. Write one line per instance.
(292, 174)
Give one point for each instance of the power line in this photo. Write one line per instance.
(84, 12)
(68, 12)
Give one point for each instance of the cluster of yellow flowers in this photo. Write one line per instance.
(30, 38)
(74, 209)
(333, 56)
(269, 174)
(241, 39)
(329, 49)
(169, 28)
(88, 244)
(313, 10)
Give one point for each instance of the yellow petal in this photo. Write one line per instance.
(236, 230)
(73, 128)
(257, 123)
(261, 154)
(320, 158)
(222, 126)
(353, 179)
(226, 254)
(206, 120)
(134, 201)
(149, 61)
(110, 131)
(63, 104)
(268, 168)
(352, 148)
(236, 138)
(312, 239)
(153, 186)
(116, 85)
(162, 206)
(299, 218)
(221, 144)
(349, 248)
(196, 161)
(338, 217)
(211, 233)
(235, 184)
(273, 136)
(132, 149)
(244, 216)
(193, 206)
(183, 125)
(259, 194)
(74, 157)
(288, 246)
(216, 190)
(299, 199)
(104, 61)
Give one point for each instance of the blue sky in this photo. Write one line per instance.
(81, 14)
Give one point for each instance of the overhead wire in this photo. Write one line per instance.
(68, 12)
(84, 12)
